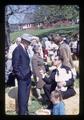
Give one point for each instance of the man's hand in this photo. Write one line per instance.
(61, 84)
(42, 73)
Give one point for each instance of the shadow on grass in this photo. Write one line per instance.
(34, 95)
(13, 92)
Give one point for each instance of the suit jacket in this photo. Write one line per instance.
(65, 52)
(20, 63)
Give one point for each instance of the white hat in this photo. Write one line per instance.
(27, 37)
(45, 38)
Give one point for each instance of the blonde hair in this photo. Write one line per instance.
(56, 94)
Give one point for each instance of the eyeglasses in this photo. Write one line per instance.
(56, 59)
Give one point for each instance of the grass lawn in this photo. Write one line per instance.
(76, 83)
(45, 32)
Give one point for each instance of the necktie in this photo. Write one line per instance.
(26, 52)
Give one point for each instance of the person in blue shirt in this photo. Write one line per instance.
(58, 104)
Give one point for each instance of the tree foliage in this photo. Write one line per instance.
(42, 13)
(50, 13)
(9, 11)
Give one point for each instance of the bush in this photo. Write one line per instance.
(76, 83)
(44, 32)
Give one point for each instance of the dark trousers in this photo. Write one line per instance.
(47, 88)
(65, 94)
(23, 96)
(69, 93)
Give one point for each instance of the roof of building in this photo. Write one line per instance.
(28, 18)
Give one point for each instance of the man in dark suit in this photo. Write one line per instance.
(22, 71)
(59, 71)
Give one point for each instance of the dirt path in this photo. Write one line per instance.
(71, 104)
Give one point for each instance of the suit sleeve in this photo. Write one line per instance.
(64, 55)
(66, 60)
(49, 79)
(15, 63)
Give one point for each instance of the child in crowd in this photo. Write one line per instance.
(58, 105)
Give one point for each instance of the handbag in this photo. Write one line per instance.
(11, 80)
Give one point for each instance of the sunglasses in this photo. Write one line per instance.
(56, 59)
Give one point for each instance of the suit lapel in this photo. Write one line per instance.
(24, 51)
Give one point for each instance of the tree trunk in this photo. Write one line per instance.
(7, 32)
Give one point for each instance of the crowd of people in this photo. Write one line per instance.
(49, 63)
